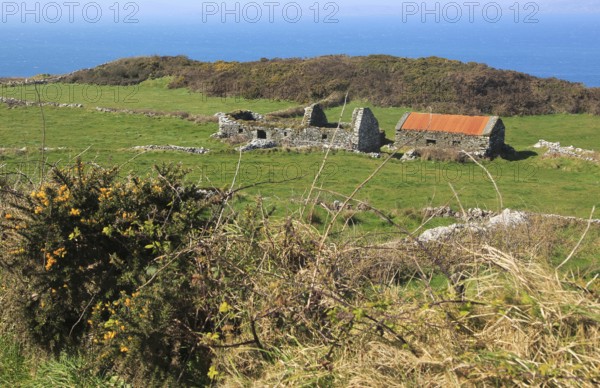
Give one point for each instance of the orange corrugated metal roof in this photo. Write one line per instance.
(467, 125)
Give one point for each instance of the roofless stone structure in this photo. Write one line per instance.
(362, 135)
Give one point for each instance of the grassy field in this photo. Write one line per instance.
(561, 186)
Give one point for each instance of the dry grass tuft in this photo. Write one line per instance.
(442, 154)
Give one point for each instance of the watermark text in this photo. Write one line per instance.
(69, 12)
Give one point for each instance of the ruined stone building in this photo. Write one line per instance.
(362, 134)
(469, 133)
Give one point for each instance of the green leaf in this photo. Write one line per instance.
(151, 271)
(107, 230)
(76, 234)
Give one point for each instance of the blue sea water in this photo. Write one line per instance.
(562, 47)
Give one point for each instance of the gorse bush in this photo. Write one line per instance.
(86, 249)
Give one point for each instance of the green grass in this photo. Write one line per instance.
(13, 368)
(568, 187)
(20, 369)
(579, 130)
(152, 95)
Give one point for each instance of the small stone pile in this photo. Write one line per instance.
(410, 155)
(258, 144)
(339, 205)
(442, 211)
(555, 149)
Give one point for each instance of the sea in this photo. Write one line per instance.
(565, 47)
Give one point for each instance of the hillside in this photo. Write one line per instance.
(444, 85)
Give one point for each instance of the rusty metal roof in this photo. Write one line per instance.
(466, 125)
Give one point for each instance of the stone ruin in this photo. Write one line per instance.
(362, 134)
(314, 116)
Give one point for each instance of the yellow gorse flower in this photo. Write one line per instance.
(50, 261)
(60, 252)
(105, 194)
(110, 335)
(64, 194)
(51, 258)
(41, 196)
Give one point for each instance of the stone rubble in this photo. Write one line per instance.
(131, 112)
(13, 102)
(189, 150)
(24, 149)
(339, 205)
(258, 144)
(555, 149)
(410, 155)
(508, 218)
(475, 214)
(446, 232)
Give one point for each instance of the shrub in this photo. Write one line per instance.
(105, 263)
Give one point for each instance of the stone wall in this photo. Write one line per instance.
(229, 127)
(366, 134)
(441, 139)
(497, 138)
(314, 116)
(363, 135)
